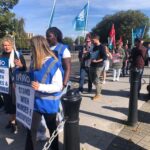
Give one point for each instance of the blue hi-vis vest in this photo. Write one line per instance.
(47, 102)
(59, 50)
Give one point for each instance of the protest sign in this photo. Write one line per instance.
(4, 75)
(24, 98)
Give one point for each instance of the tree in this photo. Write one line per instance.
(5, 5)
(6, 17)
(124, 21)
(20, 34)
(79, 40)
(68, 41)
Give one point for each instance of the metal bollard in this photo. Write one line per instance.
(71, 103)
(133, 112)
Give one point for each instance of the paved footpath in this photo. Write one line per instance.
(102, 123)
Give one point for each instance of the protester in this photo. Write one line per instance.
(97, 58)
(16, 62)
(106, 63)
(137, 59)
(48, 83)
(85, 61)
(117, 59)
(54, 37)
(125, 61)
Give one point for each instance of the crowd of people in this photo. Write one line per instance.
(51, 66)
(97, 58)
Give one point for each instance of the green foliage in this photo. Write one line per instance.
(10, 25)
(79, 40)
(68, 41)
(6, 17)
(123, 21)
(5, 5)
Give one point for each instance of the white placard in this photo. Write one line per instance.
(4, 76)
(24, 98)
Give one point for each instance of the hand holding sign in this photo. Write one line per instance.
(35, 85)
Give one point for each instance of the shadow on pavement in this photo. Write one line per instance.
(142, 115)
(120, 93)
(104, 117)
(100, 140)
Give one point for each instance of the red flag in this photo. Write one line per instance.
(112, 34)
(120, 40)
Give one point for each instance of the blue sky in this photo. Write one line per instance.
(36, 13)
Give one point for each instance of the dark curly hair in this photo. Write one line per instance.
(58, 34)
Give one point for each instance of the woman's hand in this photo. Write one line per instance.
(35, 85)
(18, 63)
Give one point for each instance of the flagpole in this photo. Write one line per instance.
(52, 13)
(86, 18)
(132, 38)
(144, 31)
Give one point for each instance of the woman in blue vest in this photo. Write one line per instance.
(16, 61)
(48, 83)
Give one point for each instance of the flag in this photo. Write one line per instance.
(120, 40)
(111, 39)
(52, 14)
(137, 33)
(80, 20)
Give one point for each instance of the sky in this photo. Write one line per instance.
(36, 13)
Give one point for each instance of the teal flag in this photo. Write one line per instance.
(80, 20)
(137, 33)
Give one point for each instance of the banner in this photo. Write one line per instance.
(80, 21)
(24, 98)
(4, 76)
(137, 33)
(112, 39)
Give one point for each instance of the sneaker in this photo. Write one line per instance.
(96, 97)
(14, 128)
(117, 79)
(114, 79)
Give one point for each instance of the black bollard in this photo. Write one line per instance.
(71, 104)
(133, 100)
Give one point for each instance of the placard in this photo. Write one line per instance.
(4, 75)
(24, 98)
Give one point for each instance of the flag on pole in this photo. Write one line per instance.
(138, 33)
(112, 39)
(52, 14)
(80, 20)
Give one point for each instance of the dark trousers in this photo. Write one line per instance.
(83, 72)
(31, 134)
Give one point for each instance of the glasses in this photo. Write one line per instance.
(88, 41)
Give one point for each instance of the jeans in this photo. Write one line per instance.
(83, 72)
(139, 73)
